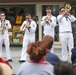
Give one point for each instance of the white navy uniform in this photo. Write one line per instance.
(5, 38)
(29, 37)
(65, 34)
(49, 29)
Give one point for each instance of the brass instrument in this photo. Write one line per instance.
(3, 26)
(67, 7)
(23, 28)
(47, 21)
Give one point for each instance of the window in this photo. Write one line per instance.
(12, 11)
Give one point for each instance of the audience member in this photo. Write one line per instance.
(73, 59)
(5, 67)
(63, 68)
(74, 69)
(73, 55)
(37, 65)
(51, 57)
(6, 62)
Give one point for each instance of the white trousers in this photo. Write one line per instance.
(5, 39)
(67, 42)
(26, 41)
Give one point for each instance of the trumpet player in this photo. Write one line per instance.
(29, 27)
(65, 31)
(4, 36)
(49, 22)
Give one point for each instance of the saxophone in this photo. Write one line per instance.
(3, 26)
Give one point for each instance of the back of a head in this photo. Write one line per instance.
(37, 50)
(5, 69)
(63, 68)
(74, 69)
(49, 40)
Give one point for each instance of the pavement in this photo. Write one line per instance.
(16, 52)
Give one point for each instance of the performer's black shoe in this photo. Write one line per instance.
(10, 60)
(21, 61)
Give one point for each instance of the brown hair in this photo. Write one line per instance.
(37, 50)
(63, 68)
(2, 13)
(49, 40)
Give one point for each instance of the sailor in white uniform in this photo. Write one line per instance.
(49, 22)
(29, 26)
(65, 31)
(4, 36)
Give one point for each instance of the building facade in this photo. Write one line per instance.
(16, 9)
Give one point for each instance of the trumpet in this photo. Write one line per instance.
(3, 26)
(67, 7)
(47, 20)
(23, 28)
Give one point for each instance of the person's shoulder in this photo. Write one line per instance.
(33, 22)
(52, 58)
(24, 64)
(50, 66)
(58, 15)
(43, 16)
(53, 16)
(73, 49)
(7, 20)
(51, 54)
(24, 21)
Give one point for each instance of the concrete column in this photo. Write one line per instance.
(39, 14)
